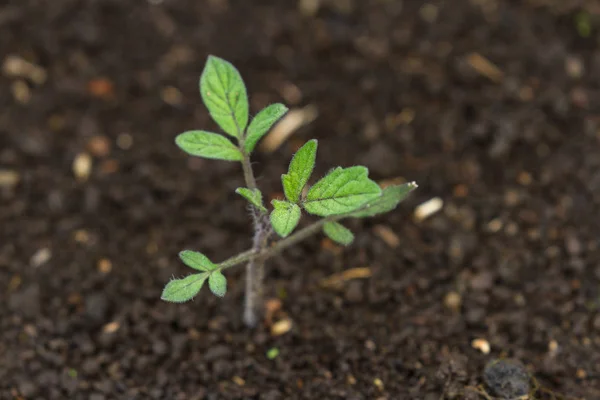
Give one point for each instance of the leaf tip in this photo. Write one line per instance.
(217, 284)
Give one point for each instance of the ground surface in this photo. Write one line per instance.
(512, 258)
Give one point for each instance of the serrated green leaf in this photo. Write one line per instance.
(262, 123)
(284, 217)
(390, 198)
(196, 260)
(253, 196)
(299, 172)
(208, 145)
(224, 94)
(217, 283)
(182, 290)
(341, 191)
(338, 233)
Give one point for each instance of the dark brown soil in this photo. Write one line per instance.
(513, 258)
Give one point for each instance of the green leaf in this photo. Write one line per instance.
(301, 167)
(338, 233)
(262, 123)
(272, 353)
(253, 196)
(196, 260)
(208, 145)
(341, 191)
(391, 197)
(217, 283)
(182, 290)
(284, 217)
(224, 94)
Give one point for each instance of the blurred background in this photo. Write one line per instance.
(492, 106)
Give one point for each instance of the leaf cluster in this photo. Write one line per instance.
(342, 193)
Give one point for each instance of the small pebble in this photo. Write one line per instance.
(9, 178)
(428, 208)
(309, 8)
(82, 166)
(481, 345)
(99, 146)
(124, 141)
(507, 379)
(41, 257)
(281, 327)
(453, 301)
(104, 265)
(238, 381)
(20, 91)
(111, 327)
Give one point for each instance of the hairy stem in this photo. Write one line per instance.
(255, 269)
(255, 272)
(265, 253)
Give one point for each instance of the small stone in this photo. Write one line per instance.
(104, 265)
(124, 141)
(82, 166)
(453, 301)
(9, 178)
(574, 67)
(281, 327)
(481, 345)
(41, 257)
(111, 327)
(172, 96)
(238, 381)
(99, 146)
(379, 383)
(309, 8)
(429, 13)
(507, 379)
(428, 208)
(495, 225)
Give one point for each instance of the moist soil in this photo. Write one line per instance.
(492, 106)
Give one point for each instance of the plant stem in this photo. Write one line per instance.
(255, 269)
(266, 253)
(248, 173)
(255, 272)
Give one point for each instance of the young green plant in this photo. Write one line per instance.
(342, 193)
